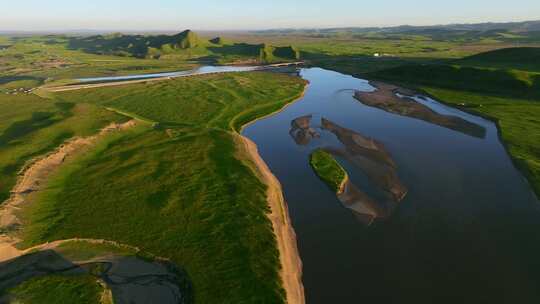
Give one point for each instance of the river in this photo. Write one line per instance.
(466, 231)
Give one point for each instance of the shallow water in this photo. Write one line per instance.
(467, 230)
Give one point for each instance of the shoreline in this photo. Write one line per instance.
(291, 264)
(344, 182)
(292, 101)
(287, 245)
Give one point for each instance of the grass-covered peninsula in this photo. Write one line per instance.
(179, 188)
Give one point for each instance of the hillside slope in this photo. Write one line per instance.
(522, 58)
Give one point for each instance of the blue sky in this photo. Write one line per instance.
(253, 14)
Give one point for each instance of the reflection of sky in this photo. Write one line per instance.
(244, 14)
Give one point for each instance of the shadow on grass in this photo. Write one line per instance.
(37, 121)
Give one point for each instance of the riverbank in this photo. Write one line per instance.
(291, 264)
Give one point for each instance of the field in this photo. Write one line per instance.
(44, 59)
(180, 189)
(31, 126)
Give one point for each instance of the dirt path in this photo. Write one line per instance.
(291, 271)
(32, 178)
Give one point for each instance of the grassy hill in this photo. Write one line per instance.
(522, 58)
(137, 45)
(489, 81)
(185, 45)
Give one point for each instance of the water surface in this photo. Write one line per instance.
(467, 230)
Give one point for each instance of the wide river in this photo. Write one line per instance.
(436, 213)
(467, 230)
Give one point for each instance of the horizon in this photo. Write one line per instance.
(142, 31)
(166, 15)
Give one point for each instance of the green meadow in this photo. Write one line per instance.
(31, 126)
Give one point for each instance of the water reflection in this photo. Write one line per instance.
(370, 156)
(394, 100)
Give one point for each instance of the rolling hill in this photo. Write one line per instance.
(522, 58)
(186, 44)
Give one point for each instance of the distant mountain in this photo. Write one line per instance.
(186, 44)
(186, 40)
(525, 26)
(136, 45)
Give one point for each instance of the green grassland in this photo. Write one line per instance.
(47, 58)
(352, 50)
(28, 62)
(31, 126)
(58, 289)
(180, 189)
(328, 169)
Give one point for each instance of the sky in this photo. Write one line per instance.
(44, 15)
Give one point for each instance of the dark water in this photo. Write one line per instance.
(467, 231)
